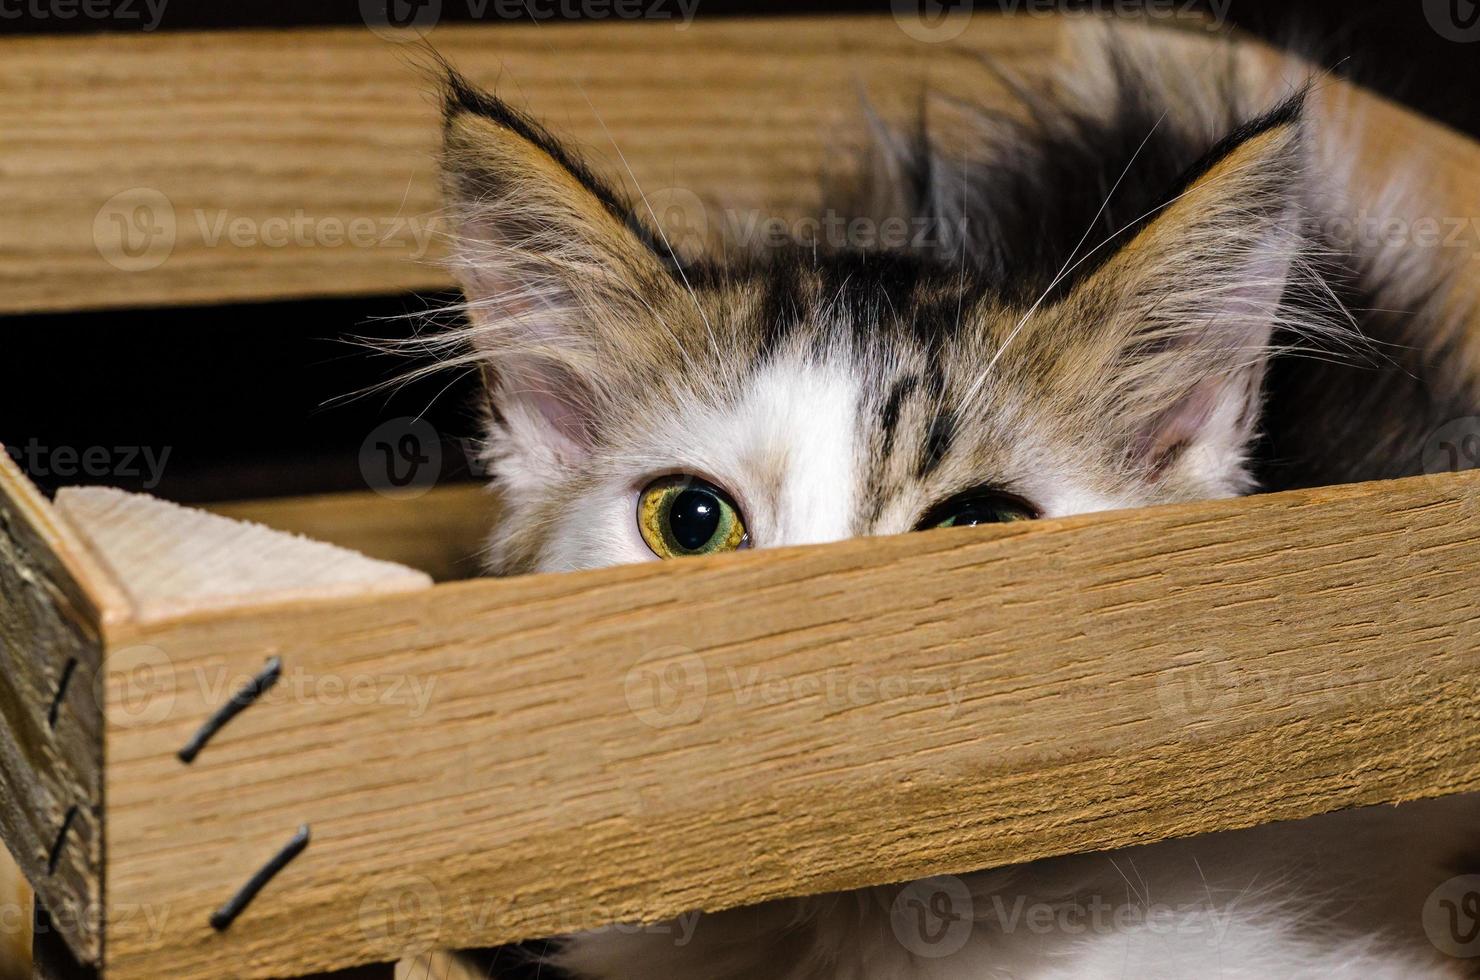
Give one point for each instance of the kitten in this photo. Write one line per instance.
(1109, 315)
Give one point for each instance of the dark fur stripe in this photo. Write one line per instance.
(889, 416)
(937, 443)
(461, 96)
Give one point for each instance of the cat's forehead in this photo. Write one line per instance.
(828, 398)
(878, 303)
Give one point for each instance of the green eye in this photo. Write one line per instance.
(684, 515)
(977, 507)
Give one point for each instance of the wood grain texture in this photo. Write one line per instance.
(54, 601)
(326, 127)
(529, 756)
(16, 903)
(178, 167)
(173, 560)
(440, 532)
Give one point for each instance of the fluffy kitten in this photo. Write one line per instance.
(1107, 316)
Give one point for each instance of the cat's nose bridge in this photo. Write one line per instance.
(814, 507)
(802, 463)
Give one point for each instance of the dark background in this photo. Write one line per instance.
(241, 406)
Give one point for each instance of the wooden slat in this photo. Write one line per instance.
(338, 125)
(954, 699)
(440, 532)
(323, 127)
(54, 600)
(173, 560)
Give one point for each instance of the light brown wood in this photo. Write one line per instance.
(16, 901)
(261, 147)
(111, 143)
(173, 560)
(953, 699)
(440, 532)
(54, 601)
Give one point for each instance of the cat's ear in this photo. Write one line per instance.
(561, 287)
(1183, 314)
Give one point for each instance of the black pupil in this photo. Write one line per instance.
(976, 512)
(693, 518)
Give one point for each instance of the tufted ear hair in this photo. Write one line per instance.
(1181, 317)
(565, 297)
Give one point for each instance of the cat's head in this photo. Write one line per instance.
(643, 407)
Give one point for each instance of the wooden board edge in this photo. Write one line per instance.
(173, 559)
(96, 588)
(439, 532)
(55, 604)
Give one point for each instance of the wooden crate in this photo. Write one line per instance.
(492, 760)
(486, 761)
